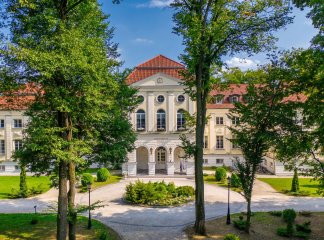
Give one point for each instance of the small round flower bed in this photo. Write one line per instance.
(158, 194)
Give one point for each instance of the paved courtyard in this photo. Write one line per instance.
(133, 222)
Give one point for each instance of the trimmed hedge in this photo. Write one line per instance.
(86, 179)
(103, 175)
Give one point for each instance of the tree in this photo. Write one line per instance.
(65, 49)
(210, 31)
(265, 114)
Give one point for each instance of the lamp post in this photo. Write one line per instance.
(89, 219)
(228, 219)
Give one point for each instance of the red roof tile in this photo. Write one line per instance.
(158, 64)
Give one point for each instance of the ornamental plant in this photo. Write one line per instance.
(86, 179)
(220, 174)
(103, 175)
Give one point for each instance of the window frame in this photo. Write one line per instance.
(140, 120)
(2, 147)
(18, 123)
(161, 120)
(219, 142)
(181, 121)
(219, 120)
(2, 123)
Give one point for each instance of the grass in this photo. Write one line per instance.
(18, 226)
(263, 226)
(210, 168)
(111, 180)
(211, 179)
(284, 184)
(9, 182)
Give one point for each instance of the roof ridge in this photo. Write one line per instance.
(160, 55)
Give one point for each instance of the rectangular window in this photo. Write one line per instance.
(18, 144)
(235, 120)
(219, 120)
(205, 161)
(219, 142)
(206, 142)
(1, 123)
(17, 123)
(219, 161)
(2, 168)
(2, 147)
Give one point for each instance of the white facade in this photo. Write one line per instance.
(158, 145)
(11, 134)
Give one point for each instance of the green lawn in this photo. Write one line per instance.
(9, 182)
(111, 180)
(18, 226)
(211, 179)
(284, 184)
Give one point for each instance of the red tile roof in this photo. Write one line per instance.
(158, 64)
(20, 99)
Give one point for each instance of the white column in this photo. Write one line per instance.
(131, 163)
(151, 162)
(8, 137)
(170, 162)
(150, 111)
(170, 112)
(212, 136)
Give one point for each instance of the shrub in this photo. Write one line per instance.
(231, 237)
(282, 232)
(235, 181)
(34, 221)
(305, 227)
(289, 216)
(86, 179)
(158, 193)
(240, 224)
(186, 191)
(276, 213)
(241, 217)
(103, 175)
(295, 182)
(302, 235)
(103, 236)
(220, 174)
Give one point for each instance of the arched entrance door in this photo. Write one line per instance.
(179, 161)
(142, 160)
(160, 159)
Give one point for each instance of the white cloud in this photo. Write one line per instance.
(242, 63)
(155, 4)
(143, 41)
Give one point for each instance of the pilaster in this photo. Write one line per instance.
(150, 111)
(170, 112)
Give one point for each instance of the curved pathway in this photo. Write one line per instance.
(133, 222)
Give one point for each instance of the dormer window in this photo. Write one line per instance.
(234, 98)
(219, 99)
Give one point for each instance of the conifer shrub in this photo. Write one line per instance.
(289, 216)
(103, 175)
(220, 174)
(235, 181)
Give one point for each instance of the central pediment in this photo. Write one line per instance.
(156, 80)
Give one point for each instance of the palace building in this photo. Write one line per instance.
(159, 121)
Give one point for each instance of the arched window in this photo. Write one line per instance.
(160, 120)
(140, 120)
(181, 122)
(161, 154)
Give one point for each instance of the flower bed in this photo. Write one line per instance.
(158, 194)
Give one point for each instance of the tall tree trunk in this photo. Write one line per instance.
(62, 202)
(199, 180)
(71, 197)
(248, 215)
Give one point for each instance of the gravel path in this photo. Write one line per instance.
(133, 222)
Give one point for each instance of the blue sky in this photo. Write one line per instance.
(144, 30)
